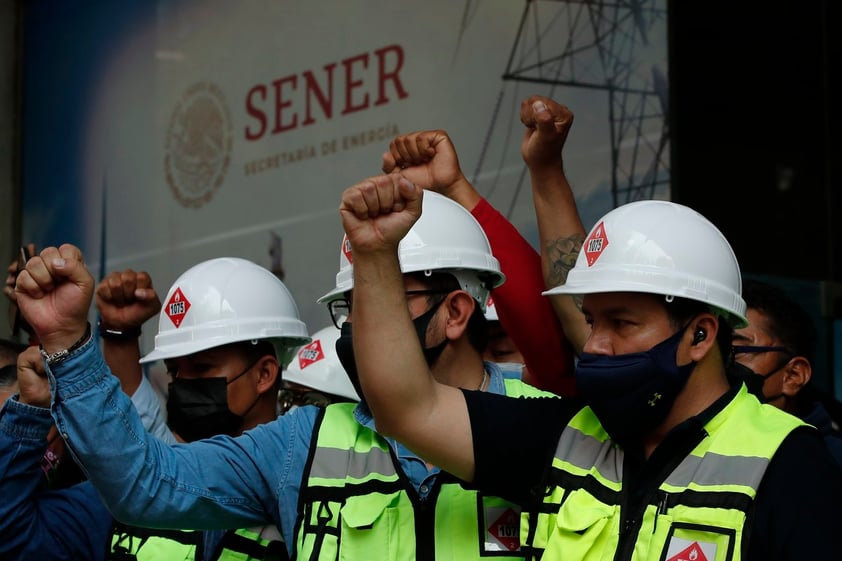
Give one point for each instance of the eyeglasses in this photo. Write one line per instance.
(340, 308)
(758, 349)
(287, 398)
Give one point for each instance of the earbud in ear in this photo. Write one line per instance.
(699, 336)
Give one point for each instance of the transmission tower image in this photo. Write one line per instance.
(601, 49)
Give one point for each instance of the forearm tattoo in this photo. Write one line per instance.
(561, 256)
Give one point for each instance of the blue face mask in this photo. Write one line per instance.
(632, 393)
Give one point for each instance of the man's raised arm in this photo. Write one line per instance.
(407, 402)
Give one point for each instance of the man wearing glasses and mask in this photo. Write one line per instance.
(778, 349)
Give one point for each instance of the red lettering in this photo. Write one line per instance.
(311, 87)
(280, 104)
(351, 84)
(252, 110)
(383, 74)
(358, 86)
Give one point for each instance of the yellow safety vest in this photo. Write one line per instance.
(146, 544)
(699, 509)
(356, 498)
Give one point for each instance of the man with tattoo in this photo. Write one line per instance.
(665, 455)
(428, 159)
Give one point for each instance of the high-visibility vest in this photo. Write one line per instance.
(697, 512)
(131, 543)
(355, 497)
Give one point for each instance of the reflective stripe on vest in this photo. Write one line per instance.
(355, 496)
(698, 511)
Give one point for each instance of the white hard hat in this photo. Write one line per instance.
(227, 300)
(317, 366)
(446, 238)
(659, 247)
(491, 310)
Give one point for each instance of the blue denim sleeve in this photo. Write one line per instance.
(217, 483)
(37, 523)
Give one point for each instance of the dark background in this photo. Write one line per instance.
(754, 123)
(755, 147)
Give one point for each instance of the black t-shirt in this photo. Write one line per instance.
(799, 501)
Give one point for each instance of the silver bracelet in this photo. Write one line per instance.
(59, 356)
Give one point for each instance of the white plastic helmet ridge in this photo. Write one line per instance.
(659, 247)
(317, 366)
(227, 300)
(446, 238)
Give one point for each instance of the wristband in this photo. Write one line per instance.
(113, 334)
(59, 356)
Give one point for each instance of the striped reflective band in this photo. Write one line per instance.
(340, 464)
(585, 452)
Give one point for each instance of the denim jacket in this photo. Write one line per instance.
(53, 524)
(216, 483)
(36, 522)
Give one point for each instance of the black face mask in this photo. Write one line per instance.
(345, 346)
(422, 322)
(632, 393)
(345, 353)
(754, 382)
(198, 408)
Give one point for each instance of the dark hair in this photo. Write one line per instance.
(255, 350)
(682, 310)
(795, 329)
(477, 329)
(787, 320)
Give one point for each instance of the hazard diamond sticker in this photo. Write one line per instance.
(310, 354)
(596, 244)
(505, 530)
(177, 307)
(346, 249)
(692, 552)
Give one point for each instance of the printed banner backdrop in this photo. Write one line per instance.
(158, 134)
